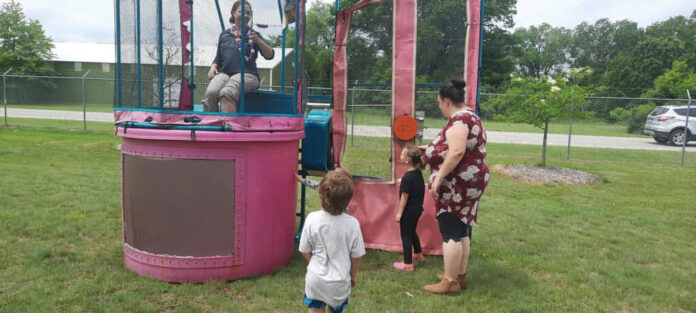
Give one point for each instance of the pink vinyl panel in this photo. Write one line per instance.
(375, 202)
(472, 51)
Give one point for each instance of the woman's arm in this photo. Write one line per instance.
(217, 62)
(456, 138)
(266, 50)
(213, 71)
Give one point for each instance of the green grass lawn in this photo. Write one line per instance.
(46, 124)
(626, 245)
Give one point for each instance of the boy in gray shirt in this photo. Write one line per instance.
(332, 242)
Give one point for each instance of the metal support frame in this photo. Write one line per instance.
(303, 200)
(84, 102)
(191, 85)
(570, 128)
(298, 81)
(242, 53)
(4, 92)
(686, 126)
(222, 23)
(117, 4)
(139, 80)
(282, 63)
(160, 54)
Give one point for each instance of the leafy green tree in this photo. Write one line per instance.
(597, 45)
(319, 35)
(680, 29)
(674, 83)
(541, 50)
(540, 100)
(441, 39)
(23, 44)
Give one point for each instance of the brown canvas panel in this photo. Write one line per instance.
(179, 207)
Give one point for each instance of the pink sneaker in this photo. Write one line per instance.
(403, 266)
(419, 257)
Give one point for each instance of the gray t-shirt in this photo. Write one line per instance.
(332, 240)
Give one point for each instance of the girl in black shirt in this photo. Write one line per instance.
(411, 193)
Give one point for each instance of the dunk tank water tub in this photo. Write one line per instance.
(205, 195)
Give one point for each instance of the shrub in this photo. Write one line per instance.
(619, 115)
(638, 116)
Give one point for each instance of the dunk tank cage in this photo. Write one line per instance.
(205, 195)
(375, 200)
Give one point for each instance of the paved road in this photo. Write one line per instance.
(640, 143)
(58, 115)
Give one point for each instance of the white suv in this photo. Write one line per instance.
(666, 124)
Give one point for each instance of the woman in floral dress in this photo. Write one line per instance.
(459, 176)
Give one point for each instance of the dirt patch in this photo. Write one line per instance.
(534, 174)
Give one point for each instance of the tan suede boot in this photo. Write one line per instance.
(461, 278)
(444, 286)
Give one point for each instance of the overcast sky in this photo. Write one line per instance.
(92, 20)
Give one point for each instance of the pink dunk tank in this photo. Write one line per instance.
(219, 205)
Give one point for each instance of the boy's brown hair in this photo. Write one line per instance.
(344, 171)
(335, 191)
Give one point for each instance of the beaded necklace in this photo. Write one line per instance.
(251, 53)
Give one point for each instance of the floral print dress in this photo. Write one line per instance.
(461, 189)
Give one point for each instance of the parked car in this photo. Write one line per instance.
(666, 124)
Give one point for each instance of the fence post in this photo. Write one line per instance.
(4, 92)
(570, 129)
(686, 126)
(84, 103)
(352, 115)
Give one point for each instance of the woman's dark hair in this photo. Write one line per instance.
(454, 91)
(236, 6)
(415, 156)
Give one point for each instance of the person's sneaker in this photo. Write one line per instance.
(419, 257)
(403, 266)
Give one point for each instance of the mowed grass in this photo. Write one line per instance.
(626, 245)
(59, 125)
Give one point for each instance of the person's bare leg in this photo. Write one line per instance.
(452, 256)
(228, 105)
(466, 248)
(321, 310)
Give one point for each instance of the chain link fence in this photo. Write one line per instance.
(609, 122)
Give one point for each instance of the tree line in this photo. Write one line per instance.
(622, 59)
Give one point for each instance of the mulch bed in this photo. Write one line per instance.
(534, 174)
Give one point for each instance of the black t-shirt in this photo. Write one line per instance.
(412, 184)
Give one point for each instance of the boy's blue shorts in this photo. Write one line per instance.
(318, 304)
